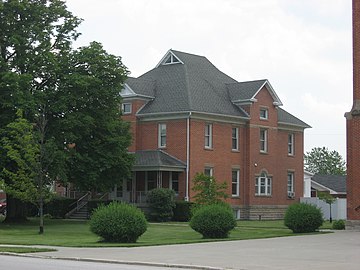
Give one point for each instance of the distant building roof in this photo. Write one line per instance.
(336, 183)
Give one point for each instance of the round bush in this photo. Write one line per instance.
(213, 221)
(303, 218)
(118, 222)
(338, 225)
(162, 203)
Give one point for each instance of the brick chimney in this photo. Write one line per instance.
(353, 131)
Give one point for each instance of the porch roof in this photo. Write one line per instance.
(157, 160)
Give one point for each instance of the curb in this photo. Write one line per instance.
(168, 265)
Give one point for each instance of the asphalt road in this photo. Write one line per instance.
(21, 263)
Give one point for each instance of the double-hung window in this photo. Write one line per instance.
(235, 139)
(208, 136)
(290, 185)
(235, 183)
(162, 136)
(291, 144)
(263, 140)
(263, 185)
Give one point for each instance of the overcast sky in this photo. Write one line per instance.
(303, 47)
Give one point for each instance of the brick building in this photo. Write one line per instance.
(353, 130)
(188, 117)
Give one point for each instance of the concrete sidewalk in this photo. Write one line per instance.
(339, 250)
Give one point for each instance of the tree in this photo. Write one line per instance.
(25, 152)
(326, 197)
(71, 96)
(208, 191)
(320, 160)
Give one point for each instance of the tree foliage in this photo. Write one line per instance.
(208, 190)
(70, 96)
(320, 160)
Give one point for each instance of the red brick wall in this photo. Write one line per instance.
(353, 126)
(221, 157)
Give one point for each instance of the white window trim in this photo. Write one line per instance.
(266, 117)
(235, 138)
(160, 135)
(290, 186)
(265, 150)
(267, 184)
(209, 136)
(237, 194)
(123, 108)
(292, 143)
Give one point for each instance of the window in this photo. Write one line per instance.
(126, 108)
(264, 113)
(263, 141)
(235, 139)
(235, 185)
(291, 140)
(175, 182)
(208, 136)
(263, 185)
(290, 185)
(208, 171)
(162, 135)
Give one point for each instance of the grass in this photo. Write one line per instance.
(73, 233)
(24, 249)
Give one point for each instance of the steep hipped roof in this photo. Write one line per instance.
(335, 183)
(183, 82)
(288, 119)
(157, 160)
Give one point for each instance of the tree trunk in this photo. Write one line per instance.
(15, 210)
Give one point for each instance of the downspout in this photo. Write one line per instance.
(187, 157)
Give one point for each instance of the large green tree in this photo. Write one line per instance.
(321, 160)
(70, 96)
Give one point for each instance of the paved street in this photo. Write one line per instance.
(339, 250)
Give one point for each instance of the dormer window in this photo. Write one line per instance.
(264, 114)
(171, 60)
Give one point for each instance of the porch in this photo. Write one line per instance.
(152, 169)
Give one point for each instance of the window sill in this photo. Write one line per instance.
(263, 196)
(209, 148)
(264, 152)
(235, 150)
(235, 196)
(291, 155)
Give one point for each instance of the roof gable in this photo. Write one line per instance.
(169, 58)
(335, 183)
(246, 92)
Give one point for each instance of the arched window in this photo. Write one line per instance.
(263, 185)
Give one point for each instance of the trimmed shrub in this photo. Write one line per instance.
(118, 222)
(182, 211)
(213, 221)
(303, 218)
(338, 224)
(161, 203)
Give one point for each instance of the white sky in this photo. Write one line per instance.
(303, 47)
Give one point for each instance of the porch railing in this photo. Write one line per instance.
(80, 203)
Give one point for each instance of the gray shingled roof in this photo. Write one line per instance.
(286, 118)
(156, 160)
(333, 182)
(198, 86)
(244, 90)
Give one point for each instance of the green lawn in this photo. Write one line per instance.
(73, 233)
